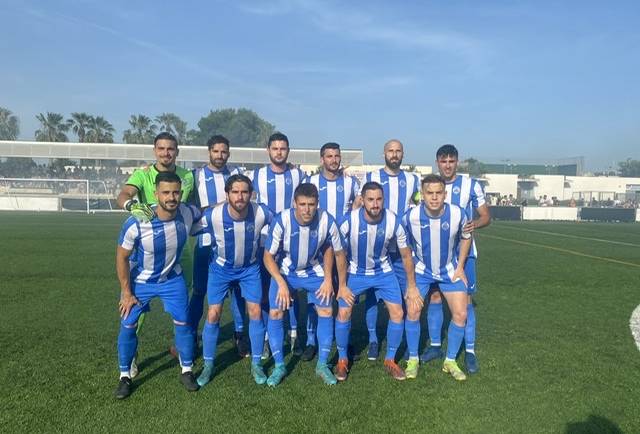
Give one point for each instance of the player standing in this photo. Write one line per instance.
(436, 232)
(368, 232)
(400, 188)
(274, 185)
(304, 239)
(337, 194)
(234, 228)
(209, 190)
(467, 193)
(158, 244)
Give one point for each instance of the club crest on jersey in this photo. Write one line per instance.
(340, 188)
(456, 190)
(445, 226)
(250, 227)
(380, 232)
(313, 234)
(402, 183)
(287, 181)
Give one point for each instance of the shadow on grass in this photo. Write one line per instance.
(594, 424)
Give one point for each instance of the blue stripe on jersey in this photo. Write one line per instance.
(288, 192)
(159, 247)
(228, 234)
(181, 234)
(249, 236)
(362, 240)
(340, 194)
(379, 242)
(323, 193)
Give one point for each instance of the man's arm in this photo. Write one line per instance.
(127, 299)
(465, 246)
(413, 295)
(283, 298)
(325, 291)
(128, 193)
(344, 292)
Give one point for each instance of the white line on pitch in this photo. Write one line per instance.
(560, 249)
(622, 243)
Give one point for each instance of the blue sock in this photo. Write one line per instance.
(454, 340)
(412, 330)
(256, 336)
(127, 346)
(237, 310)
(470, 329)
(435, 318)
(196, 308)
(394, 337)
(293, 313)
(342, 337)
(325, 338)
(371, 315)
(312, 324)
(210, 341)
(276, 339)
(184, 344)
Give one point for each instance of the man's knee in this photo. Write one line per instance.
(395, 312)
(324, 311)
(213, 314)
(459, 317)
(344, 314)
(435, 296)
(276, 314)
(255, 312)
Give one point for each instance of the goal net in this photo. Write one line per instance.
(36, 194)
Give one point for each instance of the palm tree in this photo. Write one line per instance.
(100, 130)
(142, 130)
(79, 124)
(172, 123)
(52, 128)
(9, 125)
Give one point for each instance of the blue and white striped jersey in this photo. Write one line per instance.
(467, 193)
(234, 242)
(158, 244)
(336, 197)
(434, 241)
(209, 185)
(275, 190)
(302, 246)
(367, 244)
(398, 189)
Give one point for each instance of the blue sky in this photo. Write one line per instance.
(514, 80)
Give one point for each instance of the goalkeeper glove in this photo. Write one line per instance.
(140, 211)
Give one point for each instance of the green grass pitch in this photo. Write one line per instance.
(554, 345)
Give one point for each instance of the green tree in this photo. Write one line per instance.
(80, 124)
(172, 123)
(100, 130)
(243, 127)
(142, 130)
(629, 168)
(53, 128)
(473, 167)
(9, 125)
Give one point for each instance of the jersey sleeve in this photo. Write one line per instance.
(334, 235)
(196, 217)
(276, 230)
(344, 228)
(205, 229)
(355, 187)
(137, 179)
(477, 194)
(129, 234)
(400, 235)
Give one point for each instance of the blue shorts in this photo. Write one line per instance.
(424, 283)
(398, 269)
(172, 292)
(385, 287)
(201, 258)
(221, 279)
(470, 272)
(295, 283)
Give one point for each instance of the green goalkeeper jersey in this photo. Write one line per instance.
(145, 181)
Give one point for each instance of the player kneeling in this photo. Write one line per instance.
(434, 231)
(368, 232)
(156, 273)
(305, 239)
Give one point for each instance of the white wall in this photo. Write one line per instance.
(31, 203)
(502, 183)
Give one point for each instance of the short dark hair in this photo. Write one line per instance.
(433, 178)
(165, 136)
(217, 139)
(307, 190)
(371, 185)
(447, 151)
(330, 145)
(167, 177)
(277, 136)
(238, 177)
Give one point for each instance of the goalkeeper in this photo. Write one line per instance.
(142, 184)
